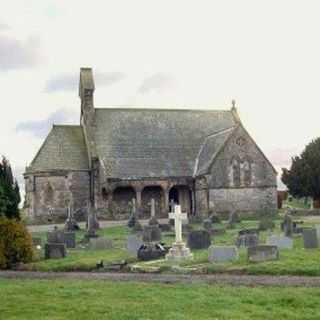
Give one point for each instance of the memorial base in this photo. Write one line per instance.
(179, 252)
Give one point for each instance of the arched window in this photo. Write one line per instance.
(235, 172)
(246, 173)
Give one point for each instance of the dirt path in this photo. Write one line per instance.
(217, 279)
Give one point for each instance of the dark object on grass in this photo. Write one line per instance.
(100, 264)
(151, 252)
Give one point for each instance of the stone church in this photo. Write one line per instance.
(204, 160)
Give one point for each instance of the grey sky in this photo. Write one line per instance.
(200, 54)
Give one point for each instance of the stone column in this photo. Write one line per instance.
(166, 201)
(139, 201)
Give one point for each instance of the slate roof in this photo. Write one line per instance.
(209, 150)
(63, 149)
(146, 143)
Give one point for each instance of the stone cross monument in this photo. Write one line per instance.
(179, 251)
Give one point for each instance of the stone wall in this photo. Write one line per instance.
(251, 200)
(240, 178)
(56, 190)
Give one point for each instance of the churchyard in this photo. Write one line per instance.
(291, 258)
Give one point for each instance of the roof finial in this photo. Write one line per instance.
(233, 103)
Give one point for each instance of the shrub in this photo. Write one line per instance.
(15, 243)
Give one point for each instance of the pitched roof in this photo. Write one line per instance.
(141, 143)
(63, 149)
(210, 148)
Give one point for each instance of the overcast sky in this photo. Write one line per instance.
(199, 54)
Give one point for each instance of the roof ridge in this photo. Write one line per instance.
(138, 108)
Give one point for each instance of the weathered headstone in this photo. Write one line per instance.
(70, 239)
(55, 250)
(100, 243)
(247, 240)
(179, 251)
(56, 236)
(310, 239)
(287, 225)
(207, 224)
(223, 253)
(263, 253)
(134, 243)
(280, 241)
(199, 239)
(151, 233)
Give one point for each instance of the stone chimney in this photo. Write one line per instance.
(86, 90)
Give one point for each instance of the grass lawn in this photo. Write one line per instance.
(70, 299)
(297, 261)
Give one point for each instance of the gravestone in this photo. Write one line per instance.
(134, 243)
(199, 239)
(56, 236)
(55, 250)
(133, 219)
(310, 239)
(151, 233)
(70, 239)
(215, 218)
(100, 244)
(262, 253)
(287, 225)
(223, 253)
(207, 224)
(247, 240)
(280, 241)
(318, 232)
(179, 251)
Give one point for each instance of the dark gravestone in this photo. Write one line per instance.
(151, 234)
(55, 250)
(199, 239)
(310, 239)
(215, 219)
(70, 239)
(56, 236)
(263, 253)
(247, 240)
(151, 252)
(153, 221)
(207, 224)
(134, 243)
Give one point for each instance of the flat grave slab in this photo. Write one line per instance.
(223, 253)
(281, 242)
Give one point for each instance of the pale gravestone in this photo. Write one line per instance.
(310, 239)
(100, 244)
(223, 253)
(263, 253)
(55, 251)
(280, 241)
(179, 251)
(134, 243)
